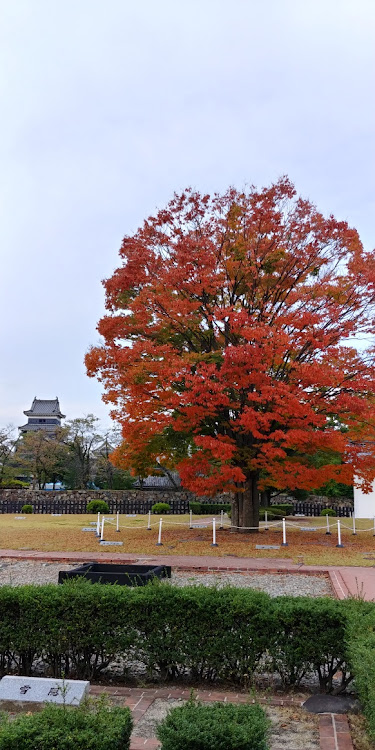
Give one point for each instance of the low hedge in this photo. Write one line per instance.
(221, 726)
(86, 727)
(212, 509)
(79, 629)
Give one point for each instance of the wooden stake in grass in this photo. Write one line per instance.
(117, 521)
(149, 521)
(354, 531)
(328, 533)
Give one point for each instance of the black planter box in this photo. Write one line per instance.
(124, 575)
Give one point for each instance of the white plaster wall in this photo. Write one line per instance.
(364, 505)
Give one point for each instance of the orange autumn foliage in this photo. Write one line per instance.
(225, 348)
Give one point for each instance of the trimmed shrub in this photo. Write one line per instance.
(27, 509)
(97, 506)
(328, 512)
(160, 508)
(197, 632)
(221, 726)
(211, 509)
(285, 508)
(86, 727)
(294, 648)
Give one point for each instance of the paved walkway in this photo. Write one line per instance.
(346, 581)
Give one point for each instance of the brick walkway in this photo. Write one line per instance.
(346, 581)
(334, 733)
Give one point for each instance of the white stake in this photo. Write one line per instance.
(284, 543)
(221, 519)
(159, 542)
(98, 526)
(354, 531)
(102, 531)
(266, 520)
(339, 534)
(117, 521)
(374, 527)
(214, 533)
(191, 520)
(328, 531)
(149, 521)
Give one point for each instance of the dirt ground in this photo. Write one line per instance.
(305, 546)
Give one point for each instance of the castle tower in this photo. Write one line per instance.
(44, 415)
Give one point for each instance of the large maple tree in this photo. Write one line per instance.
(226, 348)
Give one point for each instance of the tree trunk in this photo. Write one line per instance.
(245, 510)
(265, 498)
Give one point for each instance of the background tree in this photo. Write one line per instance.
(226, 348)
(106, 475)
(8, 442)
(83, 438)
(41, 456)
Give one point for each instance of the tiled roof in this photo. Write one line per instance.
(33, 427)
(160, 482)
(45, 407)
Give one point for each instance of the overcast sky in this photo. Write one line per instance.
(108, 106)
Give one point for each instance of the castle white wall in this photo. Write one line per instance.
(364, 505)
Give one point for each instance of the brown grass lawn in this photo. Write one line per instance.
(48, 533)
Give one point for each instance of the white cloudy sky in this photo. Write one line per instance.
(108, 106)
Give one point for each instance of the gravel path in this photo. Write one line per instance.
(29, 571)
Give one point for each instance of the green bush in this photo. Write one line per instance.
(221, 726)
(10, 484)
(160, 508)
(285, 509)
(97, 506)
(270, 515)
(86, 727)
(211, 509)
(27, 509)
(328, 512)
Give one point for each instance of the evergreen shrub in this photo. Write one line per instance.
(200, 633)
(221, 726)
(328, 512)
(160, 508)
(27, 509)
(86, 727)
(97, 506)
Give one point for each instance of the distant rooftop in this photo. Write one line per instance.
(45, 408)
(159, 482)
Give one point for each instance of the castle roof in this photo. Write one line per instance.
(45, 408)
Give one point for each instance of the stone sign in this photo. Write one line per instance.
(131, 515)
(19, 518)
(199, 526)
(308, 528)
(267, 546)
(112, 544)
(88, 528)
(42, 689)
